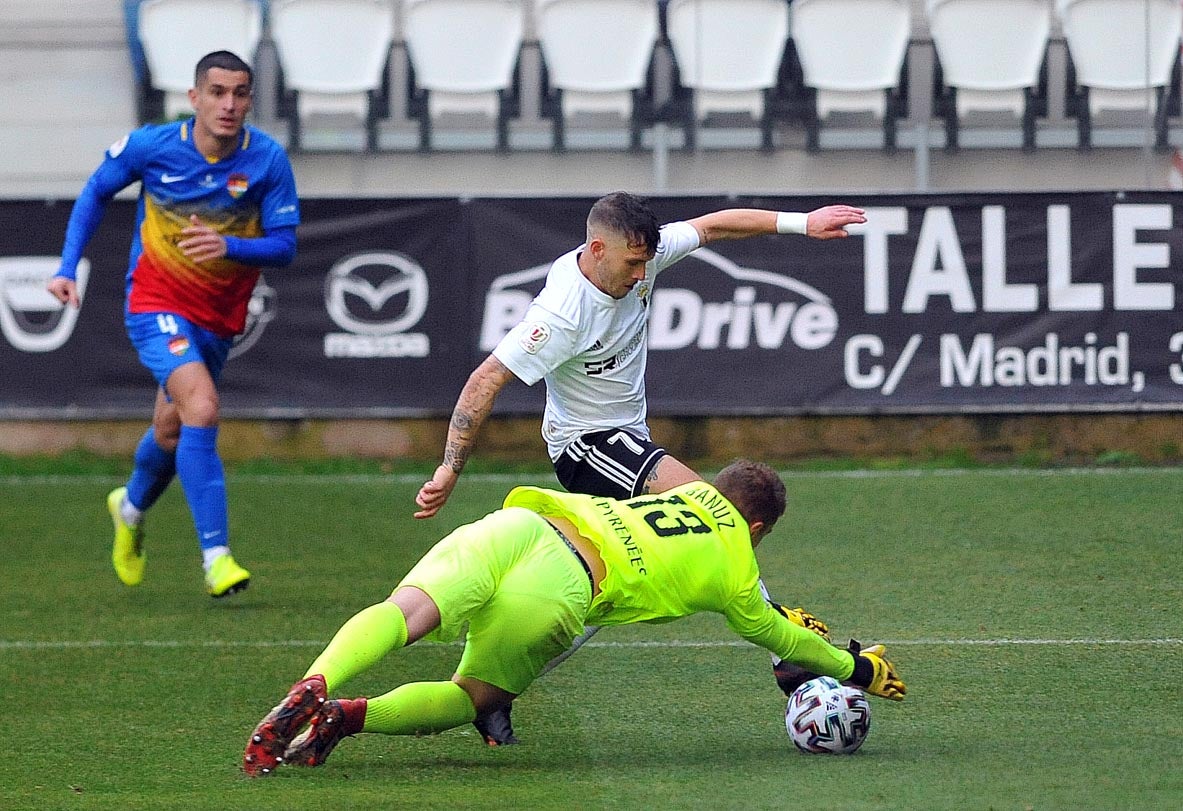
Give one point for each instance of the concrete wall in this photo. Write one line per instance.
(1059, 439)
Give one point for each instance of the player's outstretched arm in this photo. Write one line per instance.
(473, 406)
(827, 222)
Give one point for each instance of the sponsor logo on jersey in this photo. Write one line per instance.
(601, 365)
(376, 296)
(179, 345)
(167, 178)
(31, 319)
(236, 184)
(534, 337)
(598, 367)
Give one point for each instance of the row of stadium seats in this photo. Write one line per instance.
(726, 58)
(992, 55)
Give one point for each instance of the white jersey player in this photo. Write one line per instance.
(586, 335)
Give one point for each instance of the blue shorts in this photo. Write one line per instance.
(166, 341)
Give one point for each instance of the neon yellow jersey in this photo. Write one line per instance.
(675, 554)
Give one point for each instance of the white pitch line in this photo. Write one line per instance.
(519, 478)
(82, 644)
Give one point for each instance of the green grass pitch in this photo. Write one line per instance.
(1037, 617)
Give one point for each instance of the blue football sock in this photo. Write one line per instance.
(200, 470)
(154, 469)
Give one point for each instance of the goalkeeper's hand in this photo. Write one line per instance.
(875, 673)
(801, 617)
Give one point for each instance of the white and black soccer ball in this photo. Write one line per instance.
(826, 717)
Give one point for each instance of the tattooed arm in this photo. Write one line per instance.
(474, 405)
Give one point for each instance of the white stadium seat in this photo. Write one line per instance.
(596, 58)
(729, 55)
(1116, 58)
(853, 56)
(463, 57)
(333, 55)
(177, 33)
(991, 57)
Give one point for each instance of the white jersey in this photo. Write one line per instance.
(589, 347)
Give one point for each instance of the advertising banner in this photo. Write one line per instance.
(940, 303)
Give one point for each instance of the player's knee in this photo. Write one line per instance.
(485, 697)
(200, 410)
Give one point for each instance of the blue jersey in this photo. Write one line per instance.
(243, 195)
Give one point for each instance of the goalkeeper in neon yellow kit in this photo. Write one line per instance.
(526, 579)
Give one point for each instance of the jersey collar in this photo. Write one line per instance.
(244, 142)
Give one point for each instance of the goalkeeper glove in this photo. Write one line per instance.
(874, 673)
(788, 675)
(801, 617)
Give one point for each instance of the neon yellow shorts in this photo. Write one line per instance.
(523, 593)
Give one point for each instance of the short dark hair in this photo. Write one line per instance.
(626, 214)
(224, 60)
(755, 490)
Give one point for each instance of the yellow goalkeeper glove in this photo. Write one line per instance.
(875, 673)
(801, 617)
(788, 675)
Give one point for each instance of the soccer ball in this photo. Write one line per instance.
(824, 716)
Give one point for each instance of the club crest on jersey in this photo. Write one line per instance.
(643, 292)
(179, 345)
(114, 149)
(535, 337)
(236, 184)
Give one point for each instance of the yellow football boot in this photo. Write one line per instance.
(127, 553)
(225, 577)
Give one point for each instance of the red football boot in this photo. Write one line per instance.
(264, 750)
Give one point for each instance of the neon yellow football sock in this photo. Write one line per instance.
(419, 708)
(361, 642)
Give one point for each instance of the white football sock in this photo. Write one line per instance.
(129, 513)
(208, 556)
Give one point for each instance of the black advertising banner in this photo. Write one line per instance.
(940, 303)
(370, 318)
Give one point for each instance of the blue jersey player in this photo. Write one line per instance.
(217, 202)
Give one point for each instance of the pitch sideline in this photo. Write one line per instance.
(62, 644)
(519, 478)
